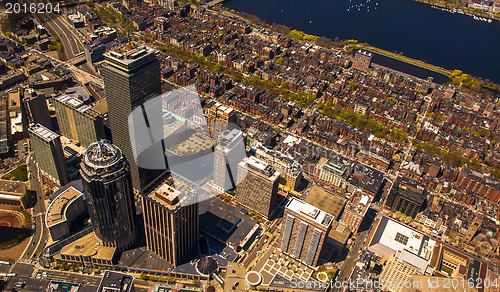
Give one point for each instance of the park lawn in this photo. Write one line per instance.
(18, 174)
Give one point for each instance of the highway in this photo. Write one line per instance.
(70, 42)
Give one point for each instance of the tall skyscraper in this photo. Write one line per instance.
(229, 151)
(257, 187)
(172, 229)
(49, 154)
(131, 76)
(34, 109)
(78, 121)
(304, 231)
(109, 194)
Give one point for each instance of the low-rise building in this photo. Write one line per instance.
(63, 211)
(355, 211)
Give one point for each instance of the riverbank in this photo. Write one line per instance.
(379, 51)
(466, 10)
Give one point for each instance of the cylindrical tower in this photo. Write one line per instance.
(108, 190)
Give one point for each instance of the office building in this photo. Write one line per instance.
(362, 60)
(113, 281)
(400, 268)
(257, 186)
(406, 196)
(334, 173)
(94, 52)
(172, 228)
(131, 77)
(220, 118)
(391, 236)
(229, 152)
(78, 121)
(34, 109)
(63, 212)
(355, 211)
(304, 231)
(290, 171)
(49, 154)
(15, 193)
(108, 191)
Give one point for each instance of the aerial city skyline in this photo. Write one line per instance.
(172, 145)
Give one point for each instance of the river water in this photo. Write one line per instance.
(452, 41)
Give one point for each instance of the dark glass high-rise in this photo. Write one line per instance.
(108, 190)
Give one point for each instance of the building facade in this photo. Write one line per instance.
(304, 231)
(355, 211)
(63, 211)
(229, 151)
(131, 77)
(333, 173)
(220, 118)
(290, 171)
(257, 187)
(78, 121)
(399, 269)
(172, 230)
(406, 196)
(34, 109)
(109, 195)
(362, 60)
(49, 154)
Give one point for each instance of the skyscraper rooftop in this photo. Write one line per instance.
(130, 54)
(101, 154)
(43, 133)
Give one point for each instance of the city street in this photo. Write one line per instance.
(351, 259)
(41, 234)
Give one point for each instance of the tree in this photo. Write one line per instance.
(352, 85)
(295, 34)
(391, 100)
(311, 38)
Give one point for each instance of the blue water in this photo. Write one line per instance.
(452, 41)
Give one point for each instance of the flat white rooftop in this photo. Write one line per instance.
(310, 212)
(392, 236)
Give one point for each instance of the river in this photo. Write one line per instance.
(452, 41)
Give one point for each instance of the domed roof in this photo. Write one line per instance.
(207, 266)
